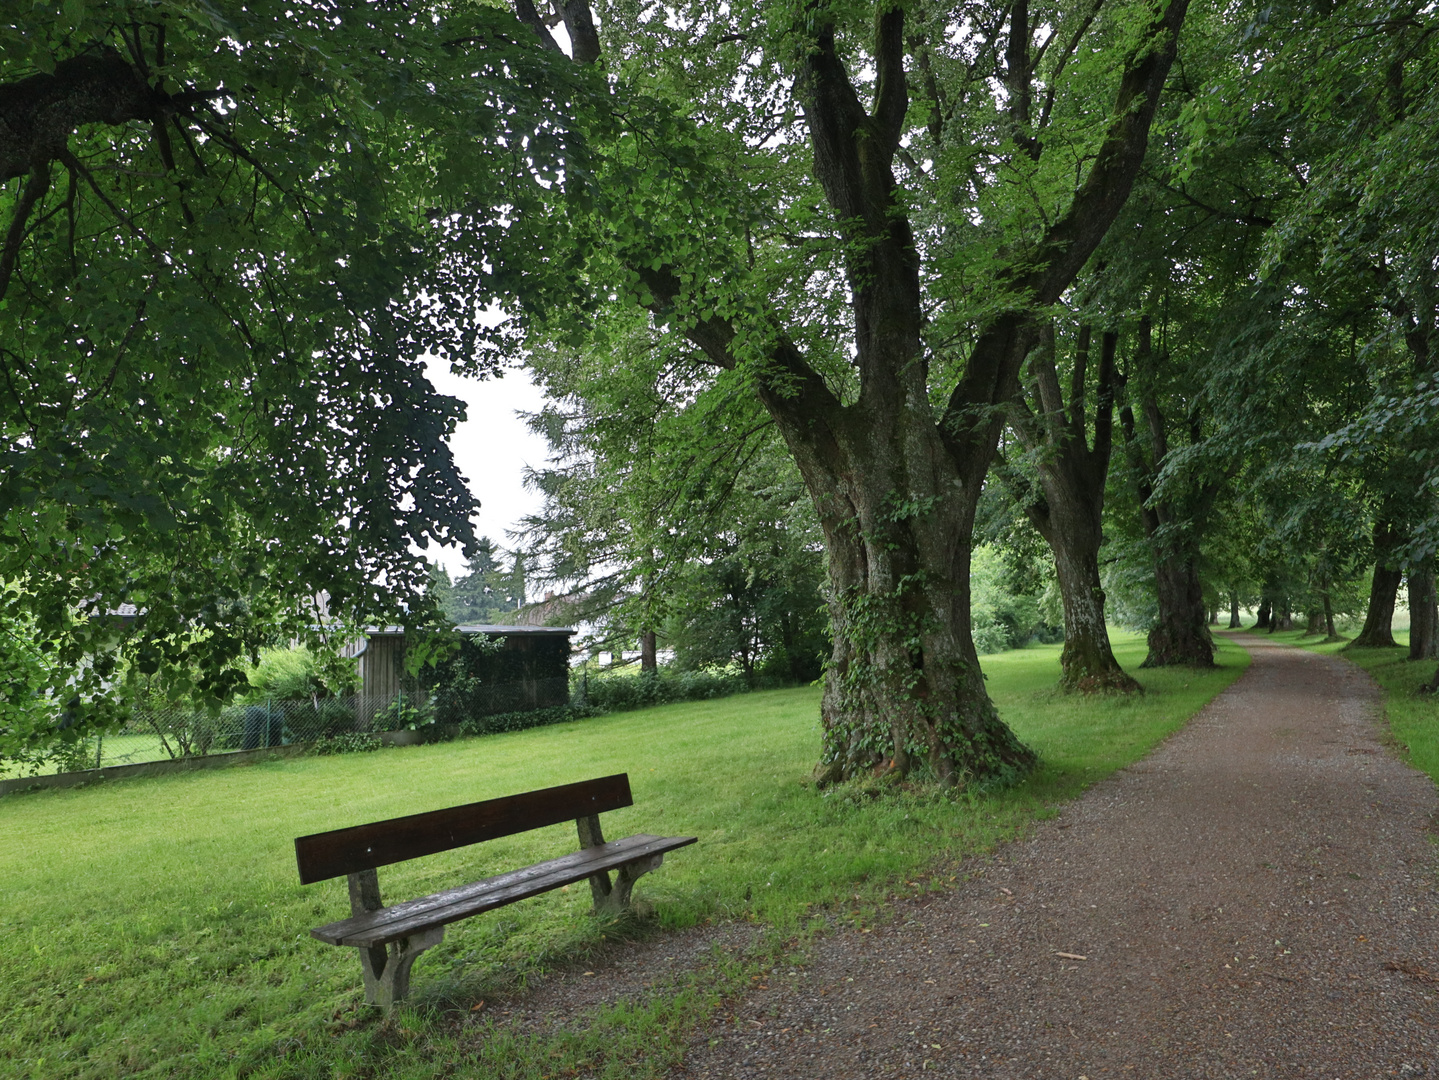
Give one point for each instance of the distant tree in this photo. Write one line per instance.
(485, 592)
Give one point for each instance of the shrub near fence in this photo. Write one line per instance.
(339, 724)
(613, 691)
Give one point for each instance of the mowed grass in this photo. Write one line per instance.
(1413, 717)
(156, 927)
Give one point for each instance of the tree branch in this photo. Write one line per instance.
(1077, 381)
(1064, 58)
(1067, 245)
(38, 114)
(36, 185)
(1104, 396)
(580, 25)
(891, 93)
(526, 13)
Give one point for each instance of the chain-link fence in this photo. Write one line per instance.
(169, 732)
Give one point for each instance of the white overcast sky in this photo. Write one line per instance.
(492, 448)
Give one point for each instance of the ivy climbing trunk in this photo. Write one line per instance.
(903, 683)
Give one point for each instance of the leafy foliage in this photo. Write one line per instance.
(222, 264)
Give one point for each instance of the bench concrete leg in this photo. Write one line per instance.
(618, 898)
(387, 967)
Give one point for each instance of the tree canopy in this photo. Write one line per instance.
(1160, 274)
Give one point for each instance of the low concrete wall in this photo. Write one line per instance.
(148, 768)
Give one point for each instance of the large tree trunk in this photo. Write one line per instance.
(649, 654)
(896, 480)
(1181, 635)
(1087, 661)
(1070, 517)
(1235, 622)
(1264, 614)
(904, 684)
(1423, 615)
(1378, 630)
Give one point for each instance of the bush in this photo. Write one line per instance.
(520, 721)
(285, 674)
(405, 714)
(615, 692)
(350, 742)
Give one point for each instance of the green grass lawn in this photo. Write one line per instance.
(1413, 717)
(156, 927)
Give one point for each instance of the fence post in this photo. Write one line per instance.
(99, 747)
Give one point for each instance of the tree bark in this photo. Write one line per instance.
(1072, 476)
(1378, 629)
(1181, 635)
(649, 654)
(1235, 622)
(1423, 615)
(1264, 614)
(1181, 631)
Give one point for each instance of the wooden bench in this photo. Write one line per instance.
(390, 938)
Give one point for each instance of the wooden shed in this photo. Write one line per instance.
(497, 669)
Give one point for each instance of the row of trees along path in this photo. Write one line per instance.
(1146, 253)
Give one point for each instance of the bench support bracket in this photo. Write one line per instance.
(386, 967)
(618, 900)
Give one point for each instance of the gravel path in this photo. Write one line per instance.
(1255, 899)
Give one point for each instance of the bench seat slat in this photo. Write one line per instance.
(392, 923)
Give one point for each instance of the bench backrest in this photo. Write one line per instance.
(364, 847)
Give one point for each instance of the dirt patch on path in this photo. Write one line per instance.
(1255, 899)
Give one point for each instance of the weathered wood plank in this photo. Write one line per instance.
(413, 916)
(381, 843)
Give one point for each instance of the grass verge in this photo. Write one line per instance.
(156, 927)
